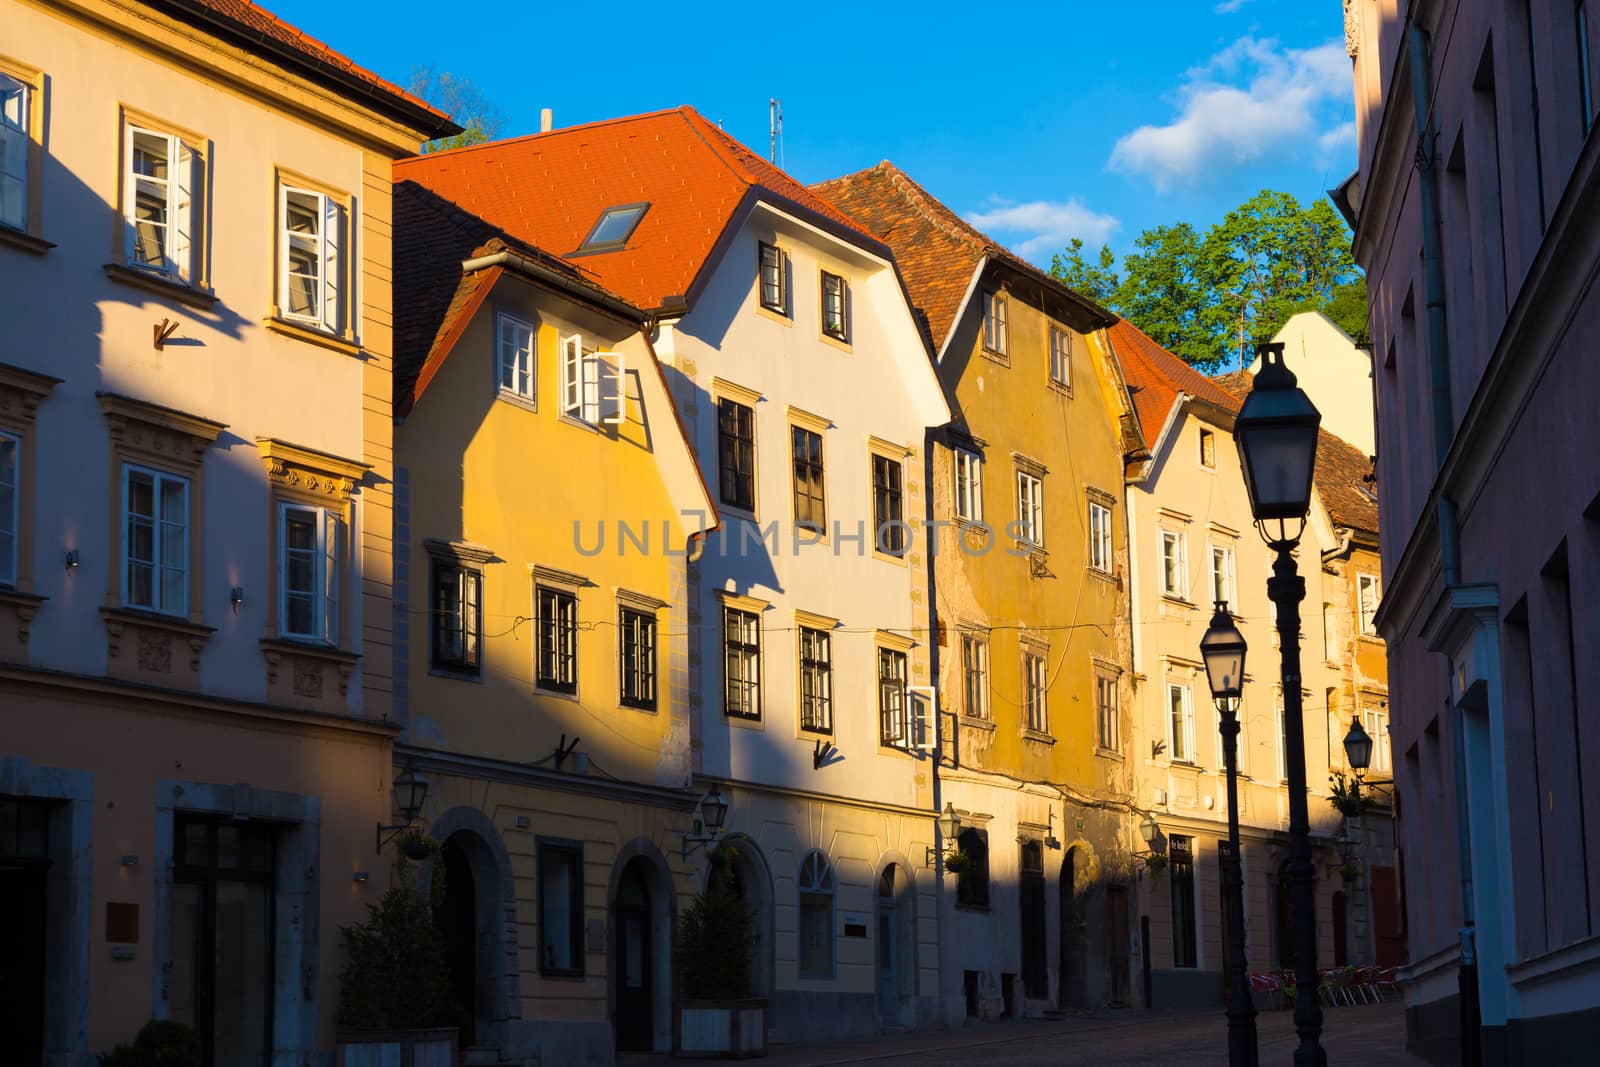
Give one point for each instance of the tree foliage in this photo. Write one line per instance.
(395, 976)
(1207, 298)
(463, 101)
(716, 938)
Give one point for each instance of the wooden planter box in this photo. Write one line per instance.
(719, 1029)
(398, 1048)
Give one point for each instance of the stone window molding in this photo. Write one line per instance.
(304, 475)
(21, 393)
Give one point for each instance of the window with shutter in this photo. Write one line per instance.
(310, 570)
(15, 105)
(162, 187)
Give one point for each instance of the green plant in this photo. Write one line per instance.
(716, 938)
(1345, 797)
(395, 976)
(957, 862)
(1156, 862)
(159, 1043)
(1350, 870)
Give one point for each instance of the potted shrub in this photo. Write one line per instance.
(160, 1043)
(394, 990)
(715, 1014)
(957, 862)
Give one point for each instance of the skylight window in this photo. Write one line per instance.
(616, 225)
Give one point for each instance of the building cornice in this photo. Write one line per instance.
(484, 768)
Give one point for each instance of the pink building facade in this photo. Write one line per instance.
(1481, 249)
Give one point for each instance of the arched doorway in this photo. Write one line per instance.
(896, 948)
(456, 916)
(753, 882)
(1073, 991)
(634, 967)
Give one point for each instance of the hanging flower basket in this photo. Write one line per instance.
(1350, 871)
(1156, 863)
(957, 862)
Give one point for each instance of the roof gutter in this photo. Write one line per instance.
(558, 280)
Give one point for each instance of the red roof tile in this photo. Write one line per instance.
(250, 20)
(548, 189)
(1155, 377)
(936, 249)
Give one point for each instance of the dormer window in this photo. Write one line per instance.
(616, 225)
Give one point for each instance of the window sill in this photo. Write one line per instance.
(161, 286)
(295, 646)
(889, 557)
(648, 709)
(311, 336)
(553, 692)
(744, 722)
(840, 343)
(178, 624)
(1104, 576)
(526, 403)
(1060, 388)
(1110, 754)
(1180, 601)
(459, 675)
(777, 315)
(1040, 736)
(727, 510)
(580, 424)
(973, 722)
(1371, 639)
(25, 242)
(992, 356)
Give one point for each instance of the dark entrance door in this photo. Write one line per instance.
(634, 969)
(1074, 934)
(1386, 931)
(1117, 943)
(24, 865)
(456, 917)
(1341, 933)
(1035, 955)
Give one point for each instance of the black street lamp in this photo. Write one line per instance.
(1276, 433)
(407, 795)
(1223, 648)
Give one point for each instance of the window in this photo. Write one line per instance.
(1376, 722)
(975, 675)
(810, 509)
(1107, 713)
(741, 636)
(816, 680)
(557, 651)
(221, 912)
(774, 283)
(1222, 575)
(969, 485)
(560, 908)
(1180, 723)
(515, 375)
(1367, 595)
(888, 507)
(736, 453)
(1030, 508)
(816, 917)
(161, 206)
(894, 709)
(1060, 356)
(457, 617)
(1282, 724)
(996, 331)
(1585, 84)
(10, 507)
(1036, 686)
(1174, 564)
(1330, 642)
(615, 226)
(1208, 449)
(15, 135)
(311, 229)
(972, 883)
(1181, 865)
(1099, 537)
(637, 653)
(155, 545)
(580, 380)
(835, 307)
(309, 554)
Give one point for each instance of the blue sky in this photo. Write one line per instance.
(1043, 122)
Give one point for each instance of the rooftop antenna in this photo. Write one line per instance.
(775, 129)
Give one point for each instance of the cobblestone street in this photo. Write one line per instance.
(1373, 1036)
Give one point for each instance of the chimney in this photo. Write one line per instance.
(547, 120)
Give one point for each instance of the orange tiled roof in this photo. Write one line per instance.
(936, 249)
(1155, 377)
(252, 21)
(548, 189)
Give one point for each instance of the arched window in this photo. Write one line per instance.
(816, 917)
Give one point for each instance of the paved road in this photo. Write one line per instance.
(1368, 1036)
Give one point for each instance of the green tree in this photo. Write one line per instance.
(1098, 281)
(463, 101)
(1167, 292)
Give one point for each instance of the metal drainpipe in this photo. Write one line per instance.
(1449, 539)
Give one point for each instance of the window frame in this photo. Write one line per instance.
(195, 273)
(468, 665)
(817, 477)
(975, 674)
(573, 850)
(1060, 349)
(30, 134)
(842, 333)
(1206, 437)
(1101, 546)
(1181, 718)
(589, 246)
(1036, 690)
(816, 707)
(1030, 508)
(744, 477)
(884, 495)
(780, 263)
(1366, 622)
(750, 652)
(548, 639)
(894, 688)
(1228, 575)
(580, 396)
(1108, 714)
(637, 628)
(323, 607)
(502, 320)
(820, 882)
(158, 478)
(996, 326)
(972, 883)
(967, 466)
(1375, 720)
(1281, 720)
(335, 268)
(1180, 543)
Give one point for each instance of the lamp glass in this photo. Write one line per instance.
(1358, 745)
(715, 809)
(1149, 830)
(410, 792)
(1223, 648)
(1276, 434)
(949, 822)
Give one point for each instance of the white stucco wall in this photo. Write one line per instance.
(1335, 374)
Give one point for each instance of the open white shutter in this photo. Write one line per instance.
(572, 376)
(591, 387)
(185, 210)
(924, 717)
(331, 218)
(130, 197)
(613, 387)
(332, 540)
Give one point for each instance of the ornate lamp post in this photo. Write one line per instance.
(1276, 433)
(1223, 648)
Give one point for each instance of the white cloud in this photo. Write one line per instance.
(1339, 137)
(1045, 226)
(1228, 7)
(1252, 99)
